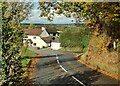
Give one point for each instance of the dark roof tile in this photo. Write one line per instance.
(35, 31)
(47, 39)
(51, 30)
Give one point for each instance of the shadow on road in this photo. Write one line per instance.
(53, 56)
(87, 78)
(64, 80)
(47, 56)
(46, 64)
(52, 62)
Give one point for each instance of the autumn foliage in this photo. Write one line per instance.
(102, 19)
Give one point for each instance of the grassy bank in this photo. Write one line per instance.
(25, 60)
(99, 56)
(74, 49)
(106, 63)
(28, 52)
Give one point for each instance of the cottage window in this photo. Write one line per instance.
(34, 37)
(54, 34)
(34, 44)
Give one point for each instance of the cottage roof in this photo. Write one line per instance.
(55, 39)
(51, 30)
(35, 31)
(47, 39)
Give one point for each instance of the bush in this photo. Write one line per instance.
(75, 38)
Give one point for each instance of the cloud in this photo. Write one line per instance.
(34, 18)
(43, 20)
(62, 20)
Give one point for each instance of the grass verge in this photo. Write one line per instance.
(73, 49)
(29, 52)
(25, 60)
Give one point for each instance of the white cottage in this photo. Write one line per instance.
(33, 37)
(40, 37)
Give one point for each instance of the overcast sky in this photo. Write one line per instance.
(43, 20)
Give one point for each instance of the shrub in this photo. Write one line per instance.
(75, 38)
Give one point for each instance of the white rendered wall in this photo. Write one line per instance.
(39, 42)
(55, 45)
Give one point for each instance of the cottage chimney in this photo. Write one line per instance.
(43, 28)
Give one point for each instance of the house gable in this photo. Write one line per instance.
(44, 34)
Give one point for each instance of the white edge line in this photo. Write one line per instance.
(63, 68)
(78, 81)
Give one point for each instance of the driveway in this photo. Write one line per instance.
(61, 68)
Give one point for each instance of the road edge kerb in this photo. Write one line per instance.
(98, 70)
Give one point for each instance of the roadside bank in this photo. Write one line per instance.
(32, 68)
(76, 56)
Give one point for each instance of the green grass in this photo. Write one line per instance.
(29, 52)
(75, 40)
(74, 49)
(25, 64)
(25, 59)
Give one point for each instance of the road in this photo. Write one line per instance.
(58, 67)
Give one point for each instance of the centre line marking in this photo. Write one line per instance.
(60, 65)
(58, 61)
(63, 68)
(56, 57)
(78, 81)
(67, 71)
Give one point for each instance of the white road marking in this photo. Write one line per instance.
(78, 81)
(58, 61)
(56, 57)
(63, 68)
(67, 71)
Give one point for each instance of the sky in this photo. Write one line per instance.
(58, 19)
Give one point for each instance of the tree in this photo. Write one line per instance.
(97, 15)
(78, 37)
(31, 26)
(12, 14)
(100, 17)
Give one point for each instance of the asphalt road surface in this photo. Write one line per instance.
(61, 68)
